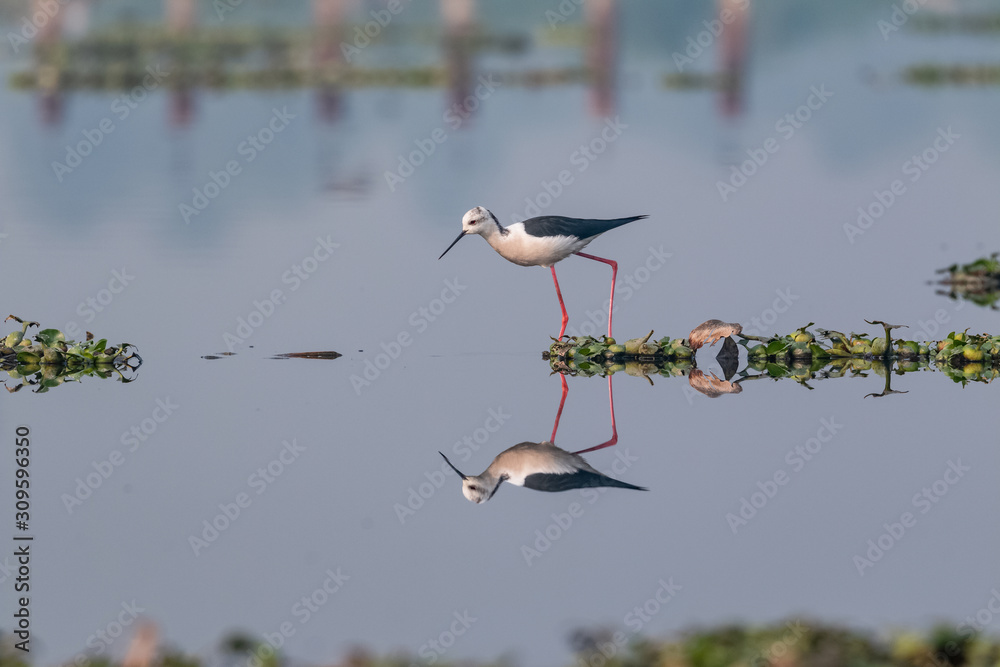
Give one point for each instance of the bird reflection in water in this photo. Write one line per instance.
(543, 466)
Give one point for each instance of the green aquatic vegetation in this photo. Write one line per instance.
(794, 642)
(117, 57)
(931, 74)
(800, 355)
(47, 359)
(977, 281)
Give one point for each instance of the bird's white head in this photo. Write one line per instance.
(474, 488)
(478, 220)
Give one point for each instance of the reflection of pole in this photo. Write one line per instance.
(328, 15)
(601, 55)
(734, 15)
(181, 18)
(458, 16)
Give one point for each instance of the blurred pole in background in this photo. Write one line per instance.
(459, 25)
(142, 649)
(181, 18)
(49, 31)
(50, 34)
(602, 52)
(328, 18)
(733, 54)
(180, 15)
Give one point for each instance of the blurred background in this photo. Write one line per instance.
(259, 177)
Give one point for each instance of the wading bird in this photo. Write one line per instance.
(535, 465)
(543, 241)
(541, 465)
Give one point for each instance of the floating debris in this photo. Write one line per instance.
(49, 359)
(713, 386)
(308, 355)
(711, 332)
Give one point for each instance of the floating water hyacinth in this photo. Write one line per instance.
(799, 355)
(978, 281)
(48, 359)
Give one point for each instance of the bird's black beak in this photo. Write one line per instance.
(445, 457)
(442, 255)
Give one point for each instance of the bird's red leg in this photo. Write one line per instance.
(562, 402)
(565, 317)
(614, 275)
(614, 428)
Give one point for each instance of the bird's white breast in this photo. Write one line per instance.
(529, 458)
(522, 248)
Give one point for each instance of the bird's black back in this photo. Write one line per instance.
(584, 228)
(581, 479)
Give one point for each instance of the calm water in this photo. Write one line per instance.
(327, 458)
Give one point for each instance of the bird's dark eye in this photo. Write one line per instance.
(472, 222)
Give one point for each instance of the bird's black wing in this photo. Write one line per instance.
(557, 225)
(581, 479)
